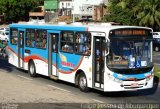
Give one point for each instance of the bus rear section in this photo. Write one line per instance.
(129, 63)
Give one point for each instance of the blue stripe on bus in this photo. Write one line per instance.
(127, 77)
(50, 27)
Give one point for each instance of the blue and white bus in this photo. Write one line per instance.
(106, 58)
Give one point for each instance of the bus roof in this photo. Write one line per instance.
(101, 27)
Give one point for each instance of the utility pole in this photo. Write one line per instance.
(73, 17)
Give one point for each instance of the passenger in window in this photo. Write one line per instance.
(12, 40)
(76, 48)
(54, 47)
(85, 38)
(84, 49)
(97, 54)
(28, 43)
(40, 45)
(77, 38)
(81, 39)
(88, 49)
(15, 40)
(44, 43)
(67, 48)
(81, 48)
(33, 43)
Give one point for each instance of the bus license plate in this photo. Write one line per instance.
(134, 85)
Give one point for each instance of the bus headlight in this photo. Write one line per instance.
(149, 77)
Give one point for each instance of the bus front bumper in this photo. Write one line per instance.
(111, 85)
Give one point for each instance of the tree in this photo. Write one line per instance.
(120, 11)
(148, 13)
(16, 10)
(135, 12)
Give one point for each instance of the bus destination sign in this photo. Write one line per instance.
(130, 32)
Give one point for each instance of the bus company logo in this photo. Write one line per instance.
(67, 64)
(64, 62)
(63, 58)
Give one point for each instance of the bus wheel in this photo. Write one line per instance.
(156, 48)
(32, 69)
(82, 83)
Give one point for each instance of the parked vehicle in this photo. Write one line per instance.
(4, 35)
(4, 29)
(156, 41)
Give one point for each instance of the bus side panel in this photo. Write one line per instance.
(13, 55)
(41, 67)
(78, 62)
(39, 57)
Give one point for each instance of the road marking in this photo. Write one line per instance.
(97, 100)
(24, 77)
(58, 88)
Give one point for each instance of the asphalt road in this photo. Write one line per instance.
(69, 91)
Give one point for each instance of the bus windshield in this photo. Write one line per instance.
(129, 54)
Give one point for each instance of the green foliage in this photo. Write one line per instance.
(135, 12)
(121, 12)
(16, 10)
(157, 71)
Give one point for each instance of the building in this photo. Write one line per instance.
(65, 7)
(65, 10)
(90, 9)
(37, 13)
(51, 9)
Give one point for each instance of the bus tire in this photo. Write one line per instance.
(32, 69)
(82, 83)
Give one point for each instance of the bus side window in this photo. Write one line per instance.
(83, 43)
(67, 41)
(30, 37)
(40, 39)
(14, 38)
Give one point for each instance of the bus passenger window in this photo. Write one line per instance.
(83, 43)
(30, 38)
(67, 41)
(14, 38)
(40, 39)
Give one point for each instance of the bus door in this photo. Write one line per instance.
(20, 48)
(98, 61)
(53, 38)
